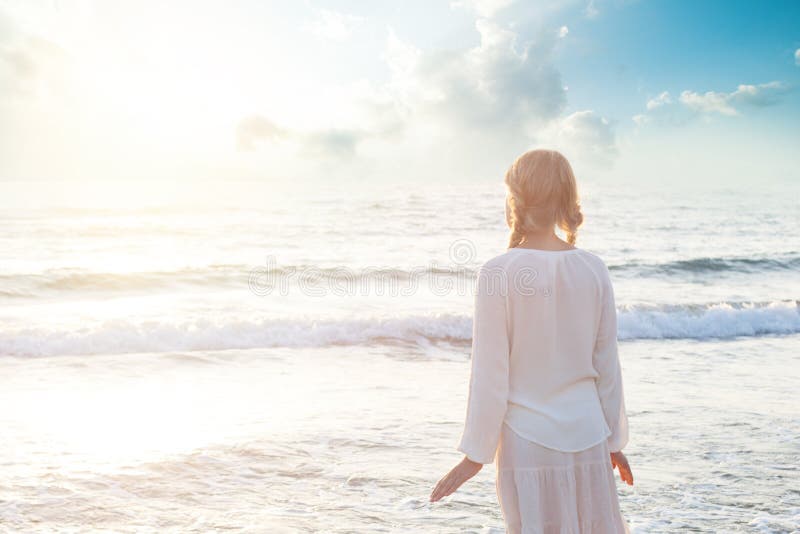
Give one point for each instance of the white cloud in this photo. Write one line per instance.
(29, 64)
(460, 112)
(584, 136)
(797, 57)
(499, 83)
(332, 25)
(591, 11)
(484, 8)
(658, 110)
(765, 94)
(500, 91)
(451, 110)
(659, 101)
(563, 31)
(402, 59)
(709, 102)
(251, 130)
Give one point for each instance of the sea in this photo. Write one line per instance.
(289, 357)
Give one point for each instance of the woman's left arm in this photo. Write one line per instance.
(488, 389)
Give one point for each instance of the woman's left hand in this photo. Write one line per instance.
(464, 471)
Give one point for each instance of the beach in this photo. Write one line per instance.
(263, 360)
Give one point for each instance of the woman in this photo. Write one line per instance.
(545, 395)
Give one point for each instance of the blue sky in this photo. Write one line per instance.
(433, 90)
(638, 49)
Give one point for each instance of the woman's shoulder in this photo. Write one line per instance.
(496, 261)
(500, 262)
(514, 257)
(595, 259)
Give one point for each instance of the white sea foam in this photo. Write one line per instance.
(724, 320)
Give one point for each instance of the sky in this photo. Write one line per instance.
(396, 92)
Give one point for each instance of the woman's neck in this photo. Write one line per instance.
(544, 241)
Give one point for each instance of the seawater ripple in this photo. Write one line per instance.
(706, 321)
(713, 265)
(67, 280)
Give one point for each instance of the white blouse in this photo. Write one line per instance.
(544, 354)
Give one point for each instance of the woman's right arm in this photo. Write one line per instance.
(606, 363)
(489, 381)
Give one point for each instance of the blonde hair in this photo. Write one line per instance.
(542, 193)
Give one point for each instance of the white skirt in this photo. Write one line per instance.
(545, 491)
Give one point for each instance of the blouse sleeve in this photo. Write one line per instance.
(488, 386)
(606, 363)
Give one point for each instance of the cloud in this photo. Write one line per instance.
(501, 87)
(710, 102)
(499, 83)
(20, 61)
(256, 128)
(451, 109)
(765, 94)
(484, 8)
(29, 65)
(591, 11)
(797, 57)
(585, 136)
(333, 142)
(659, 101)
(332, 25)
(456, 111)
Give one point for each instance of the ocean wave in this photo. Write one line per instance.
(713, 265)
(720, 320)
(715, 321)
(120, 337)
(74, 280)
(82, 280)
(211, 276)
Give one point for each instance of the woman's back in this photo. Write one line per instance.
(555, 304)
(544, 357)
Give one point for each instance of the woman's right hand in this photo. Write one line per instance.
(619, 461)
